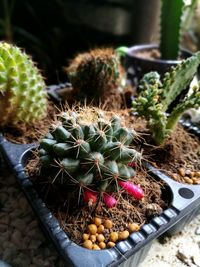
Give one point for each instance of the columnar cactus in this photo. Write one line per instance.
(97, 75)
(88, 151)
(156, 96)
(22, 95)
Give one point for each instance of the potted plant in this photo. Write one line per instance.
(156, 94)
(141, 59)
(86, 183)
(24, 102)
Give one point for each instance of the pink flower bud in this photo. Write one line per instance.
(132, 189)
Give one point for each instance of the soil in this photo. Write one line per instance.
(75, 218)
(22, 133)
(181, 150)
(151, 54)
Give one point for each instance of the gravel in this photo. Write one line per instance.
(22, 244)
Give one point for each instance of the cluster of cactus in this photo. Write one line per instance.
(22, 95)
(155, 97)
(96, 73)
(90, 152)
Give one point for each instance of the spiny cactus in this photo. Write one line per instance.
(88, 151)
(98, 76)
(22, 95)
(156, 96)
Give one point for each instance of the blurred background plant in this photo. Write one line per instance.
(53, 31)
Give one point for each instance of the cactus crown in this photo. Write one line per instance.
(156, 96)
(22, 95)
(92, 74)
(89, 150)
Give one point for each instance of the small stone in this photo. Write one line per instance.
(188, 180)
(196, 260)
(181, 171)
(188, 172)
(16, 238)
(197, 231)
(19, 224)
(153, 210)
(175, 176)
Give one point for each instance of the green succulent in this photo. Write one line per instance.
(87, 149)
(22, 95)
(156, 96)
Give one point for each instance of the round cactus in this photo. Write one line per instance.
(98, 76)
(22, 95)
(90, 151)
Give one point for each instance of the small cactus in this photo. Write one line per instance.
(155, 97)
(89, 151)
(22, 95)
(98, 76)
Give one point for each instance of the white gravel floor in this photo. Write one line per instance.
(22, 244)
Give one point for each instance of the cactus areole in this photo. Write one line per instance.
(22, 95)
(89, 152)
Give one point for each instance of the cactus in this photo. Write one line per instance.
(22, 95)
(89, 151)
(171, 18)
(98, 75)
(156, 96)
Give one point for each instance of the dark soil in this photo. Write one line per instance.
(181, 150)
(75, 218)
(28, 133)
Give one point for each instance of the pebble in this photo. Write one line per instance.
(197, 231)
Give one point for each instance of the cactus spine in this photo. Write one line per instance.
(22, 95)
(89, 151)
(98, 76)
(156, 95)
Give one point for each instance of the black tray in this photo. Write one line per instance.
(184, 206)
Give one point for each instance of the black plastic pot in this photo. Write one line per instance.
(185, 204)
(137, 66)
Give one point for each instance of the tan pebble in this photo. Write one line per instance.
(93, 238)
(96, 247)
(110, 244)
(175, 176)
(108, 224)
(113, 236)
(133, 227)
(197, 174)
(195, 180)
(85, 236)
(88, 244)
(92, 229)
(123, 235)
(100, 238)
(188, 180)
(192, 174)
(181, 171)
(102, 245)
(97, 221)
(100, 229)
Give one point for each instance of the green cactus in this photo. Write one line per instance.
(97, 75)
(156, 96)
(88, 150)
(171, 18)
(22, 95)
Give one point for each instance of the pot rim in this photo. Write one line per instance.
(131, 52)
